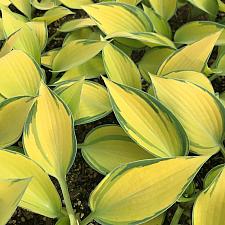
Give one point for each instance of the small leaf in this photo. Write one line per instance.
(154, 127)
(137, 192)
(45, 4)
(120, 68)
(24, 6)
(76, 53)
(41, 196)
(11, 192)
(164, 8)
(200, 112)
(13, 113)
(48, 134)
(93, 100)
(107, 147)
(76, 24)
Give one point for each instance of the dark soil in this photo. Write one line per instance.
(82, 179)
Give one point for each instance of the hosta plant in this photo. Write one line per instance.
(169, 120)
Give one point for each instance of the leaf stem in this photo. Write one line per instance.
(88, 219)
(177, 216)
(69, 207)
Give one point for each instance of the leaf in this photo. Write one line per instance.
(154, 127)
(212, 174)
(41, 30)
(76, 24)
(5, 2)
(130, 2)
(147, 38)
(209, 206)
(83, 33)
(13, 113)
(2, 35)
(76, 4)
(152, 60)
(139, 191)
(90, 105)
(48, 57)
(194, 77)
(129, 18)
(192, 57)
(63, 221)
(199, 30)
(45, 4)
(19, 75)
(41, 196)
(76, 53)
(24, 6)
(49, 137)
(107, 147)
(164, 8)
(28, 42)
(54, 14)
(11, 192)
(12, 22)
(160, 25)
(93, 68)
(120, 68)
(156, 221)
(199, 111)
(211, 7)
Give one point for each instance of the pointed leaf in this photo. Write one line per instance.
(200, 112)
(154, 127)
(13, 113)
(24, 6)
(129, 18)
(120, 68)
(192, 57)
(76, 53)
(140, 191)
(19, 75)
(209, 206)
(11, 192)
(41, 196)
(49, 137)
(199, 30)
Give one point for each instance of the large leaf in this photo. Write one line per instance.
(76, 53)
(199, 30)
(107, 147)
(209, 207)
(208, 6)
(87, 100)
(147, 121)
(120, 68)
(11, 192)
(77, 4)
(41, 196)
(49, 137)
(128, 18)
(13, 113)
(192, 57)
(140, 191)
(165, 8)
(200, 112)
(19, 75)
